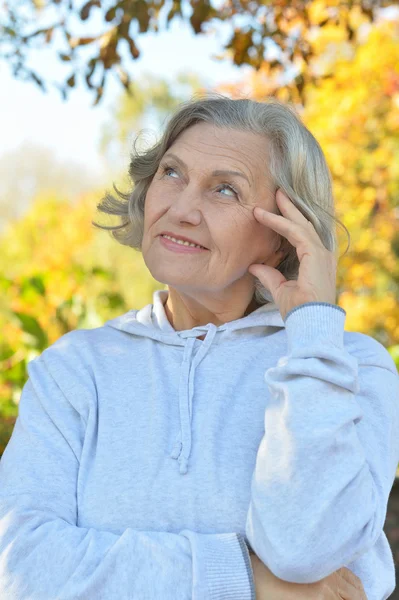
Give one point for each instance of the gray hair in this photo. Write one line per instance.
(296, 165)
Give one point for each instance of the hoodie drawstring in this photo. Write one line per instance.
(182, 447)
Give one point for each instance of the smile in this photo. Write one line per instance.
(180, 246)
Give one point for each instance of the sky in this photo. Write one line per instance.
(72, 128)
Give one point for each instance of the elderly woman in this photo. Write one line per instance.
(229, 440)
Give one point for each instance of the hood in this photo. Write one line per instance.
(151, 322)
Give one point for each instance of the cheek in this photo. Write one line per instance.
(261, 241)
(157, 202)
(152, 207)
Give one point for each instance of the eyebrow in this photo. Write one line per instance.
(214, 173)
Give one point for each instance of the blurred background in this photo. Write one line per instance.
(80, 81)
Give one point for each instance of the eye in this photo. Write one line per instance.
(229, 187)
(165, 169)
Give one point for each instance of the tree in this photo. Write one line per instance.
(57, 271)
(282, 25)
(355, 117)
(30, 170)
(152, 101)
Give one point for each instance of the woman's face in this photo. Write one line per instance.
(216, 211)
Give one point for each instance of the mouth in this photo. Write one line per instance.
(182, 238)
(182, 248)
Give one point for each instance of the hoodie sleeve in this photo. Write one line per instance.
(45, 555)
(327, 461)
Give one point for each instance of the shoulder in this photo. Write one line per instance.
(69, 347)
(78, 343)
(70, 364)
(368, 351)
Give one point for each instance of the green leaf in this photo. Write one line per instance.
(101, 272)
(36, 282)
(31, 326)
(113, 299)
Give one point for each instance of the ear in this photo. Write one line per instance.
(282, 251)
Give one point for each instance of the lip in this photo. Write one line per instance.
(180, 248)
(183, 238)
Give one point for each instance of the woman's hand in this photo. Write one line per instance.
(341, 585)
(317, 269)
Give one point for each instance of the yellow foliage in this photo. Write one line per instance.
(57, 241)
(355, 117)
(317, 12)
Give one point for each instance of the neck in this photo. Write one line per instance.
(185, 313)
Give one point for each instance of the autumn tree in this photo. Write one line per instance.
(354, 114)
(31, 170)
(143, 112)
(57, 271)
(256, 28)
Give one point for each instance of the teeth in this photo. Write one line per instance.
(181, 242)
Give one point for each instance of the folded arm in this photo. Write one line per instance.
(44, 554)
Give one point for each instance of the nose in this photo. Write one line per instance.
(187, 204)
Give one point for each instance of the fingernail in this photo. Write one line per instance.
(261, 211)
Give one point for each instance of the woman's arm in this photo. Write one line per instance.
(45, 555)
(340, 585)
(327, 460)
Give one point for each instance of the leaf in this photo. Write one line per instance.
(101, 272)
(203, 12)
(49, 35)
(99, 94)
(110, 14)
(240, 43)
(89, 74)
(9, 31)
(31, 326)
(114, 299)
(134, 51)
(142, 14)
(100, 90)
(36, 282)
(81, 41)
(86, 8)
(124, 77)
(37, 80)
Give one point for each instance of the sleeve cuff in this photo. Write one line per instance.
(247, 559)
(221, 567)
(315, 322)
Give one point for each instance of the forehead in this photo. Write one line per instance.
(205, 144)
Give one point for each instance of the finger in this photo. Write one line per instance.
(289, 209)
(347, 591)
(351, 585)
(295, 233)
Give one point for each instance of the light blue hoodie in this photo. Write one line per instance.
(143, 460)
